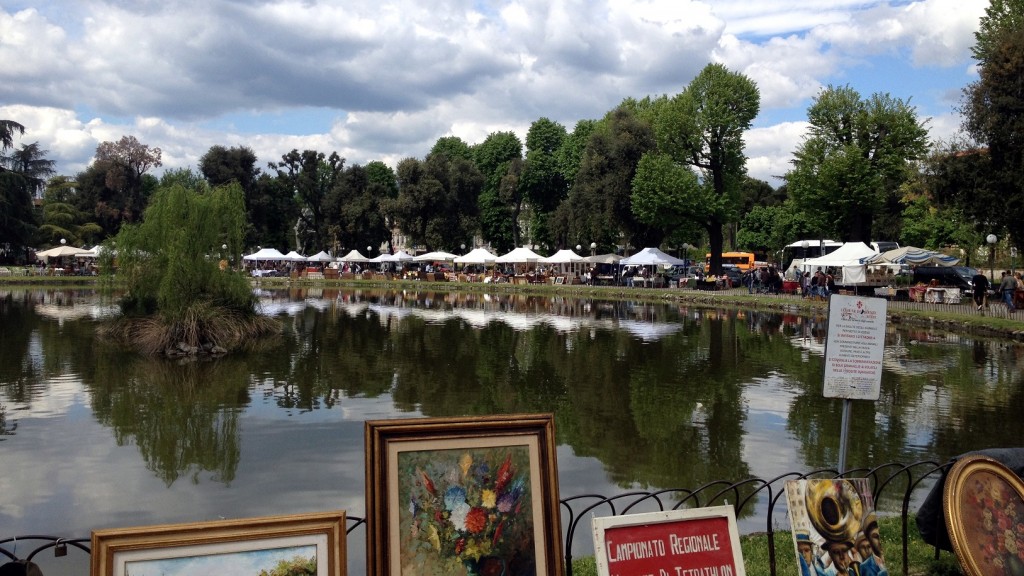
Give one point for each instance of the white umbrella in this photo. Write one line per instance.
(402, 256)
(437, 256)
(354, 256)
(476, 256)
(518, 255)
(61, 251)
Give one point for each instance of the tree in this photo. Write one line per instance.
(355, 207)
(499, 160)
(222, 165)
(599, 207)
(543, 184)
(436, 202)
(8, 128)
(856, 156)
(123, 164)
(1000, 17)
(310, 176)
(174, 292)
(994, 117)
(63, 219)
(702, 127)
(22, 174)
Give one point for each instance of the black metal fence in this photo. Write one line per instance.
(896, 488)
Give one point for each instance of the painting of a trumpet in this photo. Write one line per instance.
(835, 530)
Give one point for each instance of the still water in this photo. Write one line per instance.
(645, 396)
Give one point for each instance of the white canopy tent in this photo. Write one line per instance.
(519, 255)
(436, 256)
(402, 256)
(849, 258)
(477, 256)
(651, 257)
(320, 256)
(912, 255)
(354, 256)
(603, 259)
(264, 254)
(562, 257)
(294, 256)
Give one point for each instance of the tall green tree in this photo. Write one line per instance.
(1001, 17)
(599, 208)
(62, 218)
(356, 206)
(499, 160)
(22, 174)
(222, 166)
(994, 117)
(8, 129)
(124, 164)
(701, 129)
(857, 154)
(543, 185)
(436, 201)
(311, 176)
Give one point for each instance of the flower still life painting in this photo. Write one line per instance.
(469, 511)
(984, 506)
(463, 496)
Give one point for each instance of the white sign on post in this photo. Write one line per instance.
(854, 347)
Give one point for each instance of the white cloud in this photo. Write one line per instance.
(401, 74)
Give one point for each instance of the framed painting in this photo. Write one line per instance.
(474, 495)
(294, 544)
(983, 501)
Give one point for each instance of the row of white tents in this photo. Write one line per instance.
(645, 257)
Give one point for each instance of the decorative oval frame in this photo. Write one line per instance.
(979, 495)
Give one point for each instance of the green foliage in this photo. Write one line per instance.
(857, 154)
(599, 204)
(993, 117)
(164, 260)
(1000, 17)
(437, 201)
(702, 127)
(311, 176)
(667, 195)
(499, 160)
(297, 566)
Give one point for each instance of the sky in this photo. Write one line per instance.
(384, 79)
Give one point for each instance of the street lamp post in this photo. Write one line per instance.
(593, 248)
(991, 239)
(686, 253)
(1013, 259)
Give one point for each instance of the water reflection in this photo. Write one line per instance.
(645, 395)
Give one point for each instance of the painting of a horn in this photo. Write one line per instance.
(835, 509)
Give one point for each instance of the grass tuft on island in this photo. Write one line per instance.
(203, 328)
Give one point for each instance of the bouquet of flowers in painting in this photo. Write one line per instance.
(996, 520)
(466, 511)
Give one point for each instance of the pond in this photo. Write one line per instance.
(644, 396)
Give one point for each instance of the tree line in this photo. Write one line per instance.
(658, 171)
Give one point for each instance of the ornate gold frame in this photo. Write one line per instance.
(326, 530)
(386, 438)
(978, 487)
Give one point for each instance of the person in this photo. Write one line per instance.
(839, 553)
(979, 283)
(869, 565)
(805, 284)
(1008, 288)
(810, 565)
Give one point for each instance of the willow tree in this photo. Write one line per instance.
(178, 294)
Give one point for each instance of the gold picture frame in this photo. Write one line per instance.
(983, 502)
(475, 494)
(315, 539)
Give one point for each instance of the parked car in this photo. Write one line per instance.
(733, 273)
(955, 276)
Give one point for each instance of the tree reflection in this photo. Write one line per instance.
(184, 418)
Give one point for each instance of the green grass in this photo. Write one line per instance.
(921, 556)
